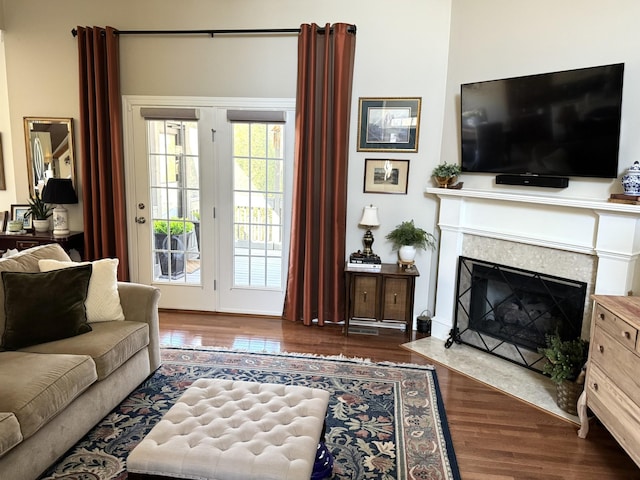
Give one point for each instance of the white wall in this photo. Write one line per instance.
(401, 50)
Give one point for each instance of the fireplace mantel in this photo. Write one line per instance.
(609, 231)
(537, 199)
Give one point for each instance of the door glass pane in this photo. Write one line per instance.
(275, 177)
(192, 172)
(257, 138)
(241, 139)
(258, 191)
(241, 174)
(175, 200)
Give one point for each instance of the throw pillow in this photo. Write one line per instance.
(103, 300)
(43, 307)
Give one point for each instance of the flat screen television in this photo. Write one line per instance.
(553, 124)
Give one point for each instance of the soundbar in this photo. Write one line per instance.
(532, 180)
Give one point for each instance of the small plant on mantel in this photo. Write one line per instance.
(446, 170)
(445, 174)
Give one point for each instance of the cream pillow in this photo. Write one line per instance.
(103, 300)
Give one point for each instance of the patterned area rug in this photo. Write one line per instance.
(385, 421)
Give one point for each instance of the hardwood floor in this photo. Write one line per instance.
(495, 436)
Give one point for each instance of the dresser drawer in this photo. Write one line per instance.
(619, 364)
(619, 414)
(617, 328)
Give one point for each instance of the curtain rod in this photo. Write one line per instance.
(350, 29)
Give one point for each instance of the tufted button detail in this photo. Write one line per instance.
(222, 427)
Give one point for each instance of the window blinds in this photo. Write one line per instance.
(263, 116)
(169, 113)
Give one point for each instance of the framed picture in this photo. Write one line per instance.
(18, 213)
(386, 176)
(388, 124)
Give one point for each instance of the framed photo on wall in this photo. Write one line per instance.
(386, 176)
(18, 213)
(388, 124)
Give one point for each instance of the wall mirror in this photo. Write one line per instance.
(49, 143)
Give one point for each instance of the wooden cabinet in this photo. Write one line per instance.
(383, 299)
(612, 384)
(22, 241)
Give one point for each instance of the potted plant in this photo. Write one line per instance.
(172, 238)
(446, 174)
(175, 226)
(565, 360)
(407, 238)
(39, 212)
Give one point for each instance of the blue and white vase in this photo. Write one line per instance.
(631, 180)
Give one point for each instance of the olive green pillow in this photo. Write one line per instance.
(43, 307)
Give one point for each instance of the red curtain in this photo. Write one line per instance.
(101, 149)
(315, 283)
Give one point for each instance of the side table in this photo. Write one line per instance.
(22, 241)
(384, 298)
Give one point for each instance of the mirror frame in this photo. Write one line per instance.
(53, 152)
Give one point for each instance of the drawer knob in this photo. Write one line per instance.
(595, 386)
(602, 316)
(627, 335)
(600, 348)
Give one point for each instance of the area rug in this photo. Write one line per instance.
(384, 421)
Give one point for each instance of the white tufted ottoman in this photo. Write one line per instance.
(225, 429)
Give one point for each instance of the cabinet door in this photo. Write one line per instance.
(364, 296)
(395, 299)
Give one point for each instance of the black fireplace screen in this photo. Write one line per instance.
(507, 311)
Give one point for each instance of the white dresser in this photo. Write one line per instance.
(612, 385)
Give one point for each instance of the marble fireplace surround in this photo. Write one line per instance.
(593, 241)
(558, 263)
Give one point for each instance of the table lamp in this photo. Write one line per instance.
(59, 191)
(369, 219)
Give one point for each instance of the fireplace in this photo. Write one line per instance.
(594, 241)
(508, 311)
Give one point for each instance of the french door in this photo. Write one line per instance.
(209, 185)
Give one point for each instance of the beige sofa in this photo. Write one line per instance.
(53, 393)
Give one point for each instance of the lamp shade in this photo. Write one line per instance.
(370, 217)
(59, 191)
